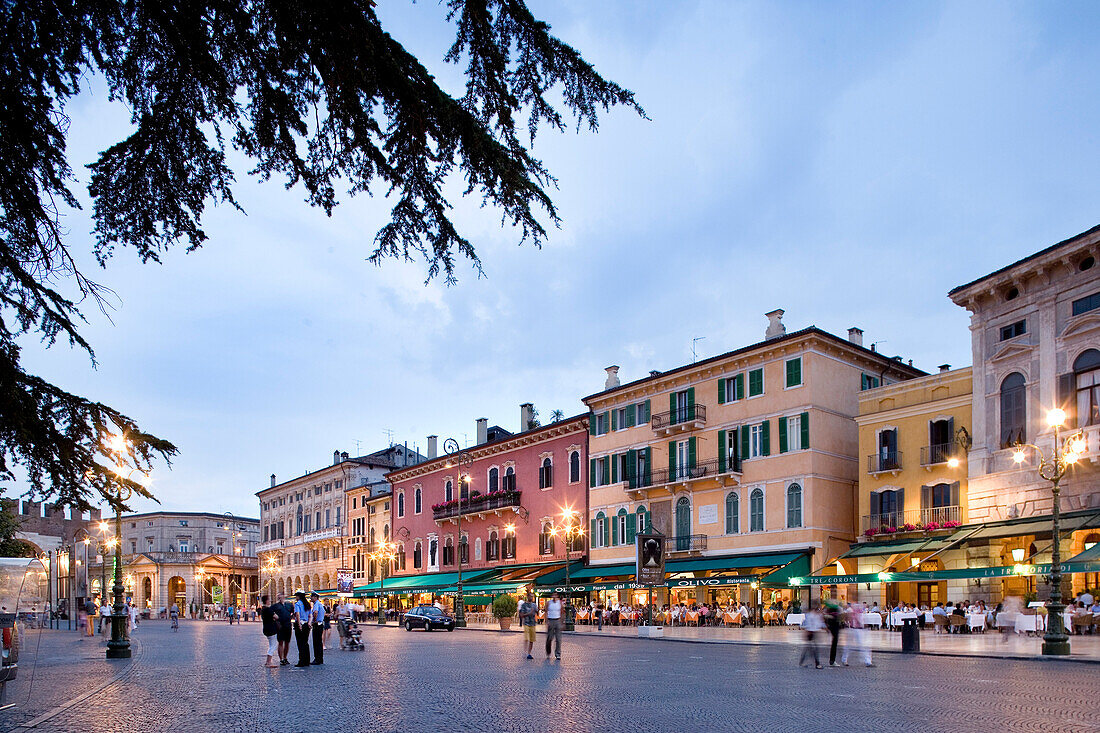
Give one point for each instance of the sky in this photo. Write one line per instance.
(847, 162)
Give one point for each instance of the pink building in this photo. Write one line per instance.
(510, 509)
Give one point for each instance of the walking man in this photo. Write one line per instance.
(528, 613)
(553, 625)
(856, 636)
(832, 623)
(301, 627)
(810, 627)
(284, 620)
(317, 620)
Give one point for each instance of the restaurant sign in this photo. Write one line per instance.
(1000, 571)
(650, 564)
(343, 580)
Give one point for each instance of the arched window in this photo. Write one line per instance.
(373, 569)
(386, 532)
(401, 504)
(418, 556)
(477, 548)
(733, 514)
(1086, 371)
(546, 474)
(371, 535)
(464, 550)
(1013, 410)
(416, 501)
(574, 467)
(401, 556)
(546, 540)
(448, 491)
(449, 551)
(756, 510)
(300, 515)
(509, 479)
(794, 506)
(492, 547)
(683, 524)
(509, 545)
(643, 519)
(621, 529)
(602, 531)
(494, 479)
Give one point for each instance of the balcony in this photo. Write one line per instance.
(884, 462)
(689, 544)
(702, 469)
(270, 545)
(480, 505)
(934, 455)
(682, 419)
(322, 534)
(921, 520)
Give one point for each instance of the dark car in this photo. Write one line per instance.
(428, 618)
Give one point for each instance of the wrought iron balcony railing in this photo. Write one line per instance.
(688, 414)
(884, 461)
(931, 455)
(686, 543)
(932, 518)
(489, 502)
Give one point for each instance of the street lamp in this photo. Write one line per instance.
(117, 447)
(1064, 454)
(199, 577)
(384, 555)
(569, 531)
(460, 458)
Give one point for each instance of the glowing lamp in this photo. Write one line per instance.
(1018, 555)
(1018, 455)
(1056, 418)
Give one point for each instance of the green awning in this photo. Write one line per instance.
(602, 571)
(780, 576)
(1070, 522)
(737, 562)
(1000, 571)
(558, 576)
(867, 549)
(418, 583)
(1090, 555)
(478, 600)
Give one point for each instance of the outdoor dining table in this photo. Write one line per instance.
(976, 621)
(872, 619)
(795, 619)
(582, 614)
(897, 618)
(1027, 623)
(731, 618)
(693, 616)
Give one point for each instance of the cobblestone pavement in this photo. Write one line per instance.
(208, 677)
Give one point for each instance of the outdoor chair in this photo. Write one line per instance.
(940, 623)
(1083, 623)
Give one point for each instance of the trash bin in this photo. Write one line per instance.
(910, 636)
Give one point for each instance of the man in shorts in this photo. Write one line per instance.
(528, 614)
(283, 619)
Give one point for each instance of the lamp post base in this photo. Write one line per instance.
(1055, 648)
(120, 650)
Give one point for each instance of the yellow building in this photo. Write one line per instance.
(913, 438)
(745, 461)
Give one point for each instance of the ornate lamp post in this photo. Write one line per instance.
(569, 530)
(460, 457)
(1064, 454)
(119, 647)
(385, 554)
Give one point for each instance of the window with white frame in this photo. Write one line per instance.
(794, 432)
(756, 440)
(794, 506)
(621, 520)
(756, 510)
(601, 530)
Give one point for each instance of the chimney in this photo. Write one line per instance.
(525, 411)
(945, 368)
(433, 446)
(273, 480)
(612, 380)
(335, 457)
(482, 430)
(855, 335)
(343, 455)
(775, 324)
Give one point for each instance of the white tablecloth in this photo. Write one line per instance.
(976, 621)
(899, 618)
(795, 619)
(929, 618)
(872, 619)
(1028, 623)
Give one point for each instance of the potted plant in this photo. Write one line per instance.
(504, 608)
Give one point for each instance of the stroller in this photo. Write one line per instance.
(350, 635)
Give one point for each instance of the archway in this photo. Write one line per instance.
(177, 591)
(325, 581)
(146, 592)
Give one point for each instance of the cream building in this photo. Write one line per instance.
(182, 558)
(746, 461)
(304, 521)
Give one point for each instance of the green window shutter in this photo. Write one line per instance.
(756, 382)
(862, 382)
(591, 473)
(722, 451)
(805, 426)
(631, 528)
(605, 469)
(592, 536)
(765, 441)
(744, 441)
(606, 421)
(722, 391)
(672, 405)
(614, 531)
(739, 387)
(648, 414)
(614, 419)
(630, 409)
(671, 459)
(615, 469)
(782, 435)
(648, 464)
(794, 372)
(631, 476)
(607, 532)
(691, 452)
(591, 423)
(691, 403)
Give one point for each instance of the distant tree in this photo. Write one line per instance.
(557, 416)
(533, 419)
(316, 92)
(10, 545)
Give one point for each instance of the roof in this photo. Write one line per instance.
(811, 330)
(209, 515)
(1040, 253)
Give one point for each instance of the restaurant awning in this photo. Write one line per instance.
(736, 562)
(1000, 571)
(782, 575)
(603, 571)
(1069, 522)
(1092, 554)
(418, 583)
(869, 549)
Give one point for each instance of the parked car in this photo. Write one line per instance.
(428, 617)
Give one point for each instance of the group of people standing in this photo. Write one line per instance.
(304, 619)
(830, 616)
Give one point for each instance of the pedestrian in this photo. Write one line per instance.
(301, 627)
(599, 617)
(270, 630)
(832, 623)
(328, 629)
(90, 611)
(812, 624)
(856, 636)
(317, 618)
(284, 617)
(174, 615)
(528, 615)
(553, 625)
(104, 617)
